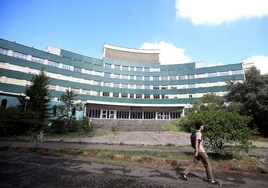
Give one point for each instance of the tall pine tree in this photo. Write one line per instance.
(39, 95)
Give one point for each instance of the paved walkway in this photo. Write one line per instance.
(143, 138)
(136, 138)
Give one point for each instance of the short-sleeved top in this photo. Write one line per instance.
(201, 145)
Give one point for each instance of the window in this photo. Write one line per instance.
(131, 86)
(116, 95)
(124, 95)
(106, 94)
(116, 75)
(4, 103)
(54, 64)
(191, 86)
(77, 69)
(138, 77)
(131, 95)
(125, 77)
(147, 78)
(212, 74)
(19, 55)
(125, 68)
(132, 69)
(138, 86)
(138, 96)
(116, 85)
(156, 78)
(164, 77)
(147, 96)
(106, 84)
(224, 73)
(3, 51)
(155, 87)
(117, 67)
(38, 60)
(146, 69)
(237, 72)
(132, 77)
(125, 86)
(172, 77)
(190, 76)
(96, 83)
(156, 96)
(139, 69)
(164, 87)
(156, 69)
(147, 87)
(107, 75)
(181, 77)
(66, 67)
(73, 111)
(108, 66)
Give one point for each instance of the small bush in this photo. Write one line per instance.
(15, 121)
(58, 126)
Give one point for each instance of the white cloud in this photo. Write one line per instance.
(169, 54)
(261, 62)
(213, 12)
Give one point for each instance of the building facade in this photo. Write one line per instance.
(124, 84)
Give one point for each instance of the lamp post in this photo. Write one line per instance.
(27, 98)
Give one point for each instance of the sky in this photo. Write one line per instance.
(214, 32)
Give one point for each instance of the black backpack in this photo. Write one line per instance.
(193, 137)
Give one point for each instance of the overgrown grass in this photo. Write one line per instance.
(152, 159)
(171, 126)
(159, 159)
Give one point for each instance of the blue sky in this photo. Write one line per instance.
(212, 31)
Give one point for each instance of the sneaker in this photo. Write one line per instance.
(212, 181)
(184, 176)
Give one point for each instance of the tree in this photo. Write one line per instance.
(226, 131)
(253, 95)
(39, 95)
(68, 108)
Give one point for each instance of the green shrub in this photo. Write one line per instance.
(87, 124)
(58, 126)
(15, 121)
(225, 132)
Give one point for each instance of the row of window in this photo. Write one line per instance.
(122, 76)
(131, 68)
(117, 114)
(166, 78)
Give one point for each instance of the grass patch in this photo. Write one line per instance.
(171, 126)
(152, 159)
(164, 160)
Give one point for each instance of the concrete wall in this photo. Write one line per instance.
(130, 125)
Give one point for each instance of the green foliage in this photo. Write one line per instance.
(68, 99)
(61, 126)
(226, 131)
(253, 95)
(87, 124)
(15, 121)
(171, 126)
(39, 95)
(115, 128)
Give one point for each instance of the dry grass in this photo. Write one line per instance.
(152, 159)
